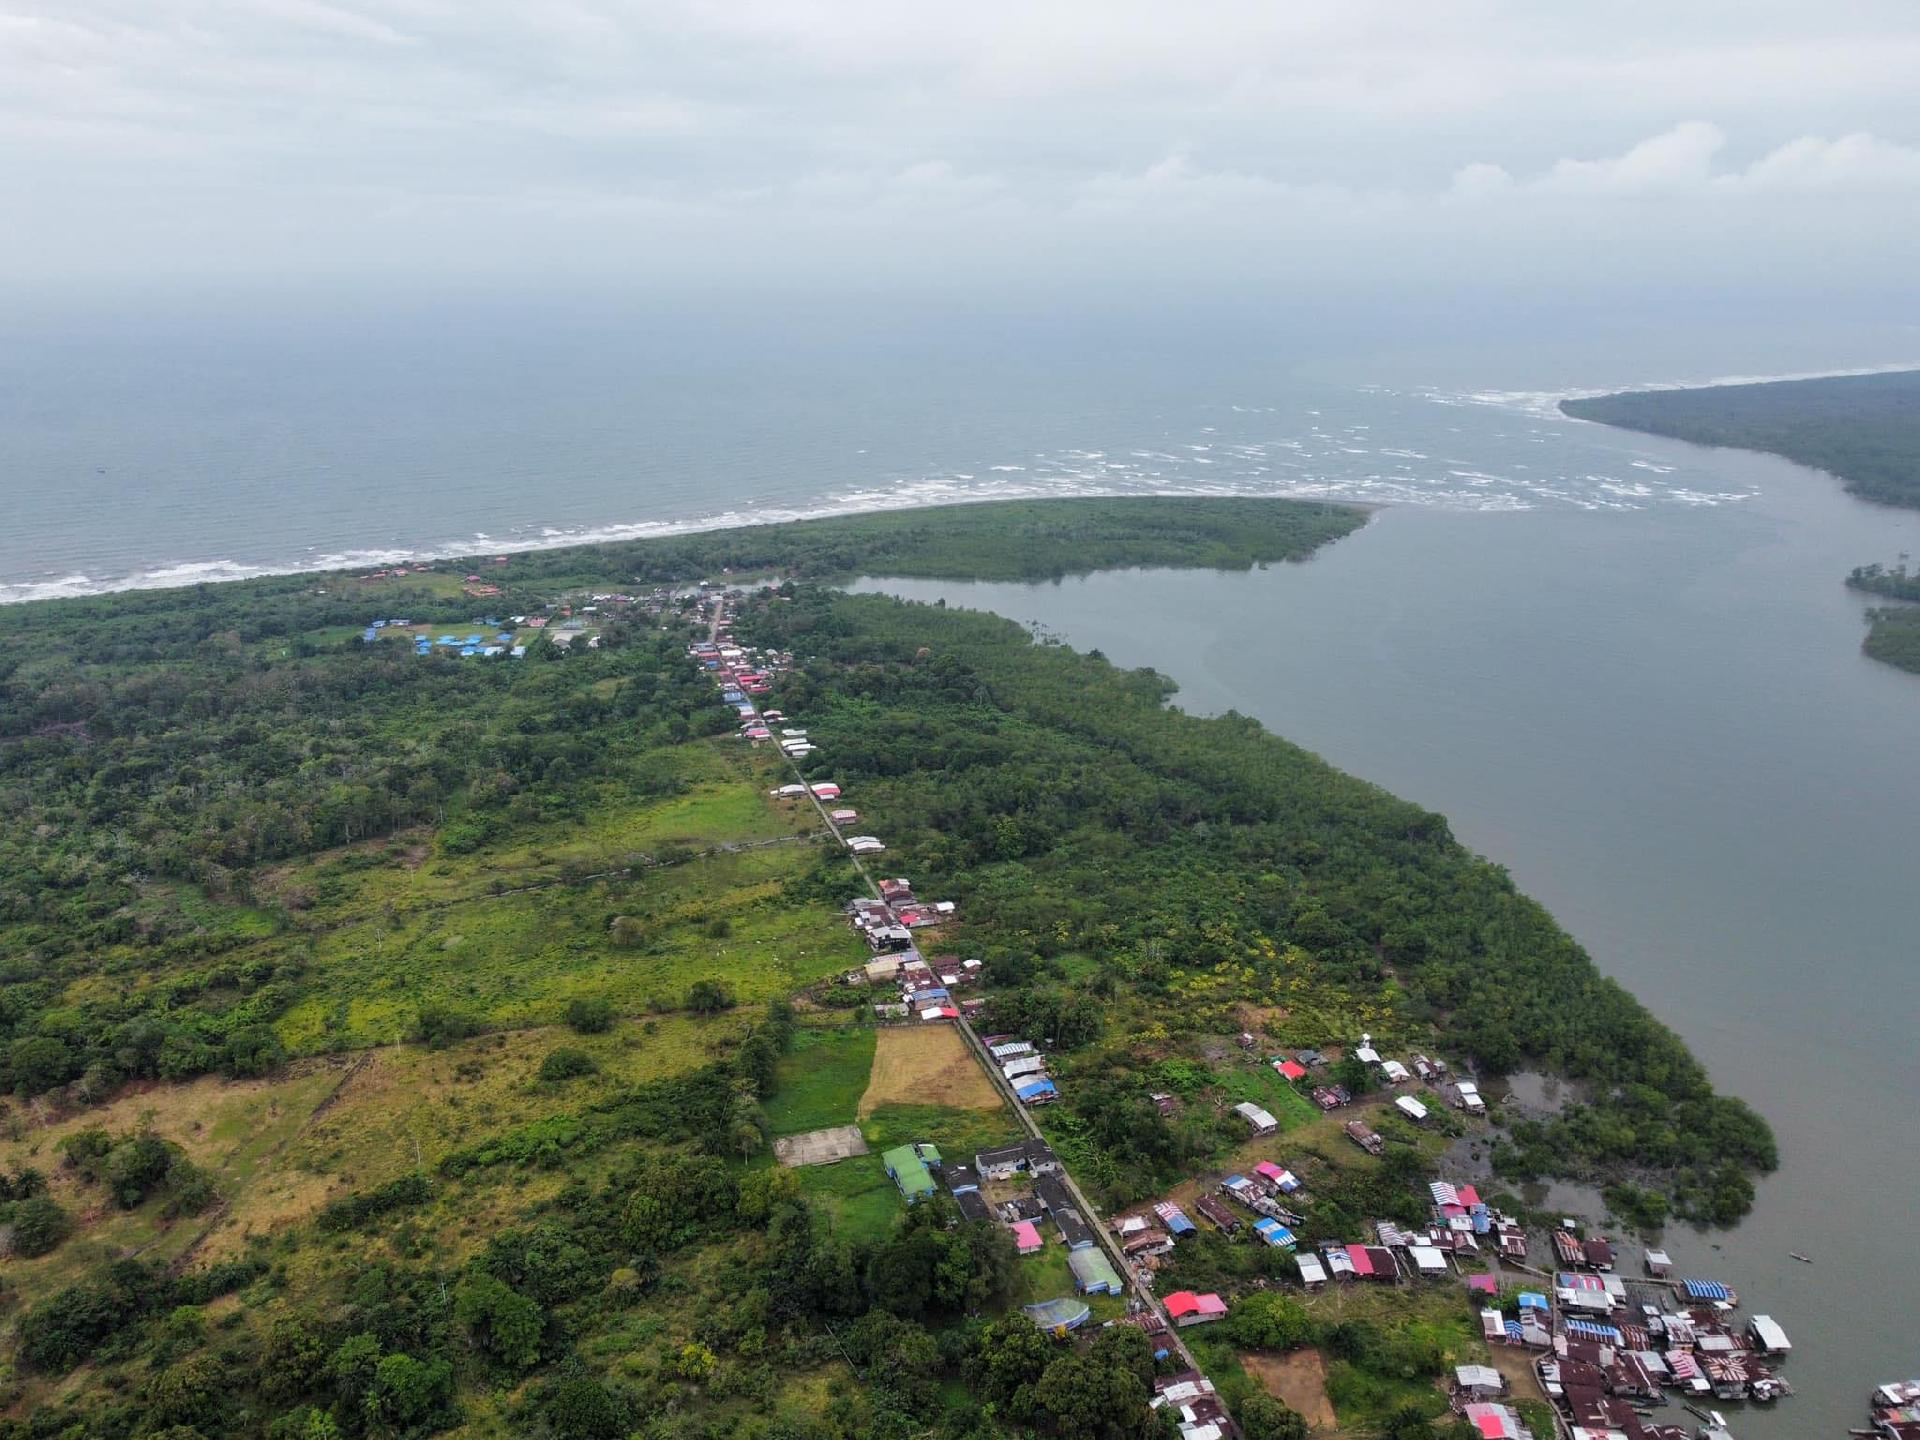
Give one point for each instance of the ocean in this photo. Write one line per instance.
(1623, 667)
(150, 450)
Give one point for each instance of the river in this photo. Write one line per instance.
(1659, 720)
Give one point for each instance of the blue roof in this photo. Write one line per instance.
(1531, 1300)
(1274, 1233)
(1706, 1290)
(1514, 1332)
(1039, 1087)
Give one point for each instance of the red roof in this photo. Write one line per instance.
(1362, 1262)
(1026, 1236)
(1185, 1302)
(1292, 1069)
(1468, 1195)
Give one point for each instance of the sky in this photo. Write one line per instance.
(817, 147)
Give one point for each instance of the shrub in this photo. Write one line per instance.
(590, 1015)
(32, 1227)
(439, 1026)
(566, 1064)
(357, 1209)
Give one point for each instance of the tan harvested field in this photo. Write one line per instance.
(1298, 1379)
(926, 1065)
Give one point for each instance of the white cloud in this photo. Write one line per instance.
(1681, 162)
(1812, 163)
(790, 134)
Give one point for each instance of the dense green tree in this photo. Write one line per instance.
(1262, 1417)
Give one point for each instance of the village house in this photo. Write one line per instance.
(1261, 1121)
(1175, 1219)
(1223, 1218)
(1365, 1138)
(1093, 1273)
(907, 1164)
(1478, 1382)
(1186, 1308)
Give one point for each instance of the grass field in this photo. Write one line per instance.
(517, 959)
(821, 1079)
(927, 1064)
(860, 1201)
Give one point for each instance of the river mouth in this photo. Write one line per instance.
(1661, 723)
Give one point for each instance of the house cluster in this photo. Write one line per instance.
(1607, 1349)
(1189, 1397)
(740, 673)
(1894, 1410)
(1024, 1068)
(927, 989)
(485, 642)
(1046, 1201)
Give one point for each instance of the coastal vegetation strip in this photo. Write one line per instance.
(1864, 429)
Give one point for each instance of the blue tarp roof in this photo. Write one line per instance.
(1039, 1087)
(1706, 1290)
(1514, 1332)
(1531, 1300)
(1274, 1233)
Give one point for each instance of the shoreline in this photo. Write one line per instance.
(186, 574)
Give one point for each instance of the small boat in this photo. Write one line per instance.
(1803, 1259)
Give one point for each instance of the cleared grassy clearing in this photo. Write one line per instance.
(856, 1195)
(821, 1079)
(516, 960)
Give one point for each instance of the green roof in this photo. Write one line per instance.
(909, 1172)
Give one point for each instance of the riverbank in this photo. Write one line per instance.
(1659, 723)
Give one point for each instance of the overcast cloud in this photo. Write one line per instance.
(826, 143)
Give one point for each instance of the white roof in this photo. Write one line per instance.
(1768, 1332)
(1368, 1054)
(1394, 1068)
(1410, 1106)
(1474, 1375)
(1311, 1270)
(1427, 1258)
(1466, 1088)
(1254, 1115)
